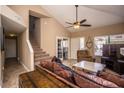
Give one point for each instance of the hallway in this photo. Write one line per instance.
(11, 72)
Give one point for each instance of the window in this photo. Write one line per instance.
(82, 43)
(117, 39)
(65, 42)
(112, 39)
(98, 42)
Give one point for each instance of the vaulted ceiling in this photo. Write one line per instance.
(96, 15)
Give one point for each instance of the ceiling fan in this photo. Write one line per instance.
(77, 23)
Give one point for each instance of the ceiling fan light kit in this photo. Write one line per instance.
(77, 24)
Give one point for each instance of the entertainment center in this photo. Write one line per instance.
(112, 57)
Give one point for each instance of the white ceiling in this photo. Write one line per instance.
(11, 26)
(96, 15)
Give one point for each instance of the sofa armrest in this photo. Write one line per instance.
(38, 67)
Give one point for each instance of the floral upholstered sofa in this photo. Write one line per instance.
(80, 78)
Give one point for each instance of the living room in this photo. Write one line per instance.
(77, 36)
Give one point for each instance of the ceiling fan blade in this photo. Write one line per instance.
(69, 23)
(69, 26)
(85, 25)
(82, 21)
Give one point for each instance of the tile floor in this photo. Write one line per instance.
(69, 62)
(11, 73)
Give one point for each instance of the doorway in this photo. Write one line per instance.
(62, 48)
(34, 29)
(11, 47)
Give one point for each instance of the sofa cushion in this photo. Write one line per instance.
(113, 78)
(47, 64)
(84, 83)
(59, 70)
(98, 80)
(57, 67)
(64, 73)
(55, 59)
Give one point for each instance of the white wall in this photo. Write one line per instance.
(50, 29)
(10, 46)
(75, 45)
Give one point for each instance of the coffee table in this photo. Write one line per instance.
(91, 67)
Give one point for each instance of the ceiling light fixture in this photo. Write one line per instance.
(12, 35)
(77, 24)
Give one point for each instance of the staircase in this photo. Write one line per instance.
(39, 54)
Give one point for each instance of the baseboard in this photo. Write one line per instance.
(72, 59)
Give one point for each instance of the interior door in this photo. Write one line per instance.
(65, 48)
(75, 45)
(59, 48)
(62, 48)
(10, 46)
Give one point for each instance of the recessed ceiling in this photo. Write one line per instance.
(96, 15)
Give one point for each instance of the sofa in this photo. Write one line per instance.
(117, 79)
(78, 78)
(53, 74)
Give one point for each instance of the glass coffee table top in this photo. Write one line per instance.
(89, 66)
